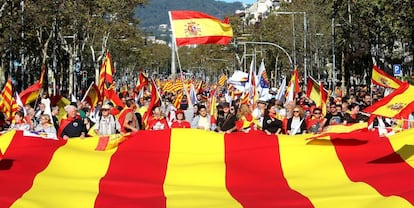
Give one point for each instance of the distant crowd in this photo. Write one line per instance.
(225, 115)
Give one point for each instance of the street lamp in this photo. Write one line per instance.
(272, 44)
(318, 62)
(294, 39)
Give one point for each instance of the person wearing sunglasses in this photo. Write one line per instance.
(334, 117)
(270, 124)
(296, 124)
(315, 121)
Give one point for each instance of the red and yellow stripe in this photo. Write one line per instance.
(172, 168)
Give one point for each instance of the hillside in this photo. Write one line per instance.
(156, 11)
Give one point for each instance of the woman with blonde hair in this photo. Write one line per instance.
(45, 125)
(296, 124)
(245, 120)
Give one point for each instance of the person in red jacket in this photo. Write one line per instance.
(127, 118)
(157, 121)
(180, 121)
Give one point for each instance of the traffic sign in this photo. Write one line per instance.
(397, 70)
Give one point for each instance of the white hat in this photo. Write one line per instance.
(262, 100)
(106, 106)
(70, 107)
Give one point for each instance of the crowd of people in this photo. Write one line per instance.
(270, 115)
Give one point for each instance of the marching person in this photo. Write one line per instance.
(45, 125)
(19, 123)
(157, 121)
(315, 121)
(106, 123)
(270, 123)
(180, 121)
(202, 120)
(73, 125)
(226, 122)
(128, 119)
(296, 124)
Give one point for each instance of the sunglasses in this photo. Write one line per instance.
(317, 113)
(296, 111)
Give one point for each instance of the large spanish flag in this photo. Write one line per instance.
(193, 27)
(398, 104)
(383, 79)
(174, 168)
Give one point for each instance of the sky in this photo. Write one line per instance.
(244, 1)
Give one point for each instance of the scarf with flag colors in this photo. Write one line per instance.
(381, 78)
(171, 168)
(193, 27)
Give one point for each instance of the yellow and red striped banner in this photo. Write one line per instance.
(172, 168)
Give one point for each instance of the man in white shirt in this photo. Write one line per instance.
(202, 121)
(107, 124)
(258, 112)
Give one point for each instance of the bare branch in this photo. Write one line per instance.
(2, 8)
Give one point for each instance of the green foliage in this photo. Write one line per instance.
(363, 30)
(156, 11)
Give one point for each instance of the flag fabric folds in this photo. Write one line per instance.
(111, 95)
(293, 87)
(7, 103)
(171, 168)
(193, 27)
(106, 72)
(381, 78)
(92, 96)
(30, 94)
(222, 80)
(142, 81)
(398, 104)
(262, 76)
(317, 93)
(155, 101)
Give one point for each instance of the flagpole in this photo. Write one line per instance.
(87, 91)
(175, 49)
(374, 61)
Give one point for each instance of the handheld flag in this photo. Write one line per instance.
(381, 78)
(92, 96)
(106, 72)
(398, 104)
(317, 93)
(30, 94)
